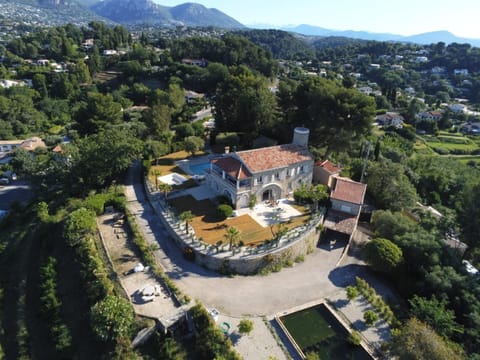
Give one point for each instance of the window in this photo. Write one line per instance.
(277, 176)
(259, 180)
(288, 173)
(301, 169)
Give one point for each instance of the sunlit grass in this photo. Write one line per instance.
(211, 228)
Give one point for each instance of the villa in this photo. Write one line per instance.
(266, 174)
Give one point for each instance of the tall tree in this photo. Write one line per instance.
(417, 341)
(383, 255)
(243, 103)
(104, 156)
(338, 118)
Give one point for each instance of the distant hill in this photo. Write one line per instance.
(282, 44)
(424, 39)
(148, 12)
(48, 12)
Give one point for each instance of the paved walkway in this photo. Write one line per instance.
(247, 296)
(124, 259)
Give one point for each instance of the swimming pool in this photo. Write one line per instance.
(199, 169)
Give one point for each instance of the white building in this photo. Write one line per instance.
(268, 174)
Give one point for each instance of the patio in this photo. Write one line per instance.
(263, 213)
(254, 225)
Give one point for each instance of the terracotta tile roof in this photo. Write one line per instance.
(232, 167)
(274, 157)
(58, 149)
(349, 191)
(330, 167)
(340, 221)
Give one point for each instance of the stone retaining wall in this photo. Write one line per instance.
(246, 260)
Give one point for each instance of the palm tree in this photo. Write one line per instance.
(186, 217)
(156, 173)
(166, 188)
(232, 235)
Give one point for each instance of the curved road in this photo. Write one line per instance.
(316, 278)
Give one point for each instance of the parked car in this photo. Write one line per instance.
(4, 181)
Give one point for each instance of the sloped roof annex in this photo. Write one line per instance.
(329, 166)
(232, 167)
(274, 157)
(349, 191)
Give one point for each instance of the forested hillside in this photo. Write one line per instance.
(103, 97)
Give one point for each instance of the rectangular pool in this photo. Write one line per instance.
(316, 330)
(199, 169)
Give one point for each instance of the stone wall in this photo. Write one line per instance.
(246, 260)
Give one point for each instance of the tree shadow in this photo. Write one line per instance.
(235, 337)
(345, 275)
(359, 325)
(340, 303)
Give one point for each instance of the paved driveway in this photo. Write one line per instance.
(323, 274)
(311, 280)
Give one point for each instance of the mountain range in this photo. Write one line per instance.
(424, 38)
(148, 12)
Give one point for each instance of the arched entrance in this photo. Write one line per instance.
(269, 193)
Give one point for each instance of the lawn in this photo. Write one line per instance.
(211, 228)
(166, 164)
(448, 144)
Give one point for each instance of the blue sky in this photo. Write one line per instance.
(405, 17)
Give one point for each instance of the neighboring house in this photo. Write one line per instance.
(197, 62)
(390, 119)
(88, 43)
(438, 70)
(347, 196)
(470, 128)
(7, 146)
(324, 172)
(367, 90)
(421, 59)
(190, 96)
(458, 108)
(109, 52)
(460, 72)
(6, 84)
(430, 115)
(268, 174)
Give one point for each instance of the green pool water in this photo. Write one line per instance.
(317, 330)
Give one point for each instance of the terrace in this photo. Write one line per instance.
(254, 225)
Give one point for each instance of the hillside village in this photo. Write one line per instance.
(188, 192)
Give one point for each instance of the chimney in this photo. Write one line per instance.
(300, 136)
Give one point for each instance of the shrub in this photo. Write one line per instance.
(370, 317)
(245, 326)
(352, 292)
(354, 338)
(225, 210)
